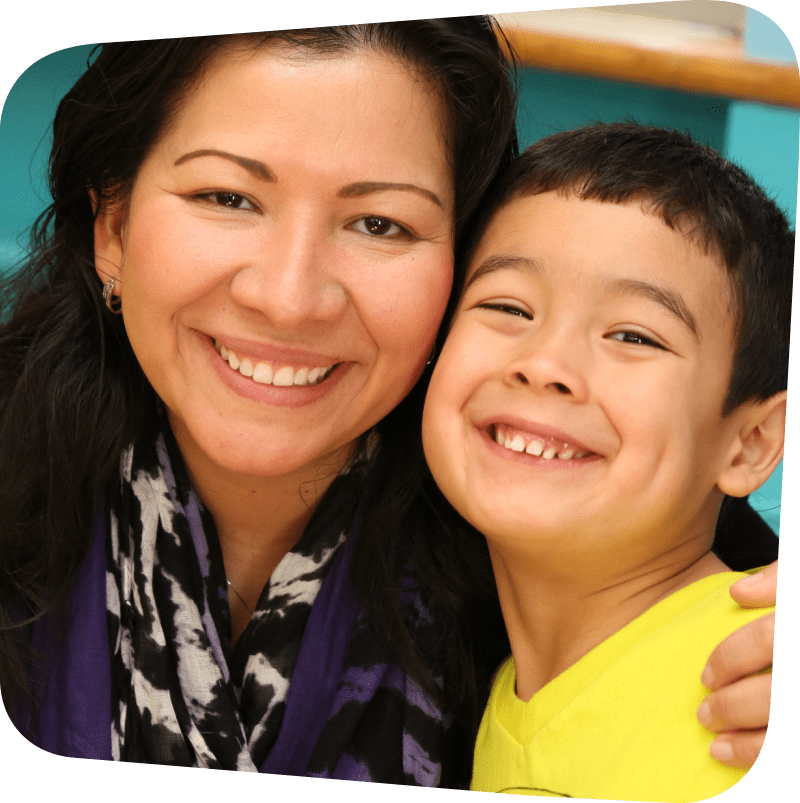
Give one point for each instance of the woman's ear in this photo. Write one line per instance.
(758, 448)
(108, 250)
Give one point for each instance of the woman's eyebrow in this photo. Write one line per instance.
(502, 262)
(367, 187)
(253, 166)
(260, 170)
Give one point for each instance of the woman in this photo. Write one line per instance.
(199, 478)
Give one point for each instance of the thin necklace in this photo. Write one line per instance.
(241, 599)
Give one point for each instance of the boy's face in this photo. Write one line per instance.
(581, 386)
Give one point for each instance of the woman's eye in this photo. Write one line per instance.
(636, 338)
(508, 309)
(231, 200)
(379, 227)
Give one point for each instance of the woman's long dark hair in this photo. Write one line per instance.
(72, 394)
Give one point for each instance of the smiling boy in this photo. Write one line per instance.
(615, 367)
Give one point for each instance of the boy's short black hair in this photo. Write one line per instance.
(694, 190)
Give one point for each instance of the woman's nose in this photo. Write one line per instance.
(292, 279)
(551, 362)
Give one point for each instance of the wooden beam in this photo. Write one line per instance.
(759, 81)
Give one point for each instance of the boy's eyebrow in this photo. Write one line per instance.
(501, 262)
(669, 299)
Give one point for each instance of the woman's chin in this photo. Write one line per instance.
(257, 449)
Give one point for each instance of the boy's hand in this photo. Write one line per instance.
(738, 708)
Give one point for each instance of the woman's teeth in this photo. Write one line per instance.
(264, 374)
(536, 447)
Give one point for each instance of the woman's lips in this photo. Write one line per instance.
(296, 385)
(265, 352)
(275, 371)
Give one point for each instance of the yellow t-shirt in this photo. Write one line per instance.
(620, 723)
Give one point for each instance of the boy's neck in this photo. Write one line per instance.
(556, 616)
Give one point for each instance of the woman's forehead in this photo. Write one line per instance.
(272, 73)
(360, 108)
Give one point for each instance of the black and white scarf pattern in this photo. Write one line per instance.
(182, 696)
(140, 666)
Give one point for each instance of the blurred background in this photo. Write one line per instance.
(722, 71)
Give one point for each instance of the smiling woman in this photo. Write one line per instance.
(275, 217)
(278, 265)
(292, 266)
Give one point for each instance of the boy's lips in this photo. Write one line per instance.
(538, 440)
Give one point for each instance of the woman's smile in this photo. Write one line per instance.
(281, 381)
(278, 373)
(286, 256)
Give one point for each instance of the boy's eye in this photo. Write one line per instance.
(637, 338)
(231, 200)
(376, 226)
(506, 307)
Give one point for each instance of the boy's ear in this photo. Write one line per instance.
(758, 448)
(108, 250)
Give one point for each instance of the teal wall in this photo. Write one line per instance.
(761, 139)
(553, 101)
(25, 144)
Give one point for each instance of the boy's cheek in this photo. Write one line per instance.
(442, 420)
(434, 443)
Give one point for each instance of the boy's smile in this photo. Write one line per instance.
(581, 387)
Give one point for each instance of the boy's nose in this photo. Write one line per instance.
(550, 365)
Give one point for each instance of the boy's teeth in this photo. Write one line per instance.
(516, 443)
(263, 373)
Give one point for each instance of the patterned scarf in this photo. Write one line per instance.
(179, 700)
(304, 690)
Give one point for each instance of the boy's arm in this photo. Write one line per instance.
(738, 707)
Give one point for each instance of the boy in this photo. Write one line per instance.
(616, 365)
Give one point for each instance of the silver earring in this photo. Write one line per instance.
(115, 305)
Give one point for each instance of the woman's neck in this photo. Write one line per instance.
(554, 618)
(258, 519)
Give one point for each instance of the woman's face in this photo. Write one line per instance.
(286, 255)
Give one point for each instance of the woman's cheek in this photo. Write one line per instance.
(413, 305)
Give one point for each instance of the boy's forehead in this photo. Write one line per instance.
(560, 230)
